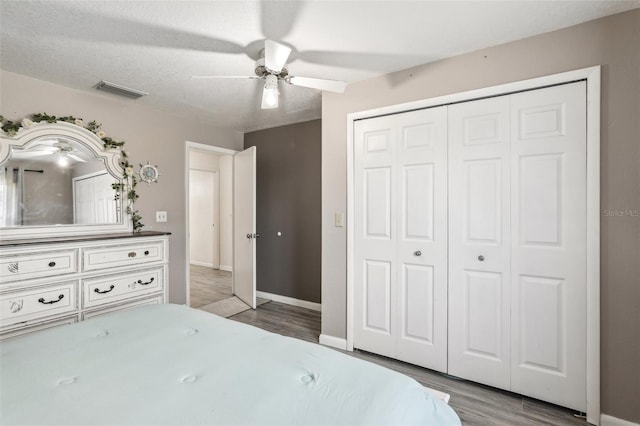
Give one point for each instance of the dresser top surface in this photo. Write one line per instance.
(80, 238)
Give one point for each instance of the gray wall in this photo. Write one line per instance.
(151, 135)
(288, 200)
(611, 42)
(48, 196)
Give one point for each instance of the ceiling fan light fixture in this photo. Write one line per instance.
(63, 159)
(270, 93)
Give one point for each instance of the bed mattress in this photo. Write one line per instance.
(173, 365)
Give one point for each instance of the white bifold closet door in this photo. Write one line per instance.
(548, 244)
(479, 241)
(400, 244)
(517, 247)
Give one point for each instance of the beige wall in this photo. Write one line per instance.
(611, 42)
(222, 164)
(151, 135)
(203, 161)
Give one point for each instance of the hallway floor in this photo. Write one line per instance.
(208, 285)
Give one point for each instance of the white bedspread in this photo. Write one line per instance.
(172, 365)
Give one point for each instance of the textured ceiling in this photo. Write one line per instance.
(155, 46)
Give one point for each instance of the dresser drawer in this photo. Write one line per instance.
(38, 302)
(95, 258)
(37, 265)
(36, 326)
(156, 300)
(113, 288)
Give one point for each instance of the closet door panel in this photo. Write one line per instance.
(548, 191)
(375, 236)
(479, 241)
(400, 287)
(422, 243)
(377, 296)
(483, 320)
(417, 304)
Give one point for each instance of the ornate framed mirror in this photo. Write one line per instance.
(56, 179)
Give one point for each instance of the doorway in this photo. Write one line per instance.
(210, 224)
(220, 245)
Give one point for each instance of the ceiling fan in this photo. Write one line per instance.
(272, 67)
(63, 152)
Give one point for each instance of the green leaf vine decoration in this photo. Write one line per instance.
(129, 178)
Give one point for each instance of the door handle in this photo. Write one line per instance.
(481, 258)
(249, 236)
(417, 253)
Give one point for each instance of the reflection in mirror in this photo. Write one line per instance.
(56, 180)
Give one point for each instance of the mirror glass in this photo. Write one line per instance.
(56, 180)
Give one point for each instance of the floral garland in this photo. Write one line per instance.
(129, 181)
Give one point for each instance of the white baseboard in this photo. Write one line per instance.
(290, 301)
(607, 420)
(197, 263)
(334, 342)
(226, 268)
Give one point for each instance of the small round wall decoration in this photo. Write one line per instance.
(148, 173)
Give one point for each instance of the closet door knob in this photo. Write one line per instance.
(417, 253)
(481, 258)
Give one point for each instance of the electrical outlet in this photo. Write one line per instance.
(161, 216)
(339, 220)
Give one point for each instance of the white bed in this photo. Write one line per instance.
(172, 365)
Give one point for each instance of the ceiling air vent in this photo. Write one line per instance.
(116, 89)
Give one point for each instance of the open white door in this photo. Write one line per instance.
(244, 226)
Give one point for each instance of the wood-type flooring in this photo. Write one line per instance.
(208, 285)
(475, 404)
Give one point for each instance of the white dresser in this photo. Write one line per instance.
(54, 281)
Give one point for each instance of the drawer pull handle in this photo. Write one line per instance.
(52, 264)
(132, 254)
(104, 291)
(146, 252)
(147, 283)
(50, 302)
(14, 268)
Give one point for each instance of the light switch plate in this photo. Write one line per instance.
(161, 216)
(339, 220)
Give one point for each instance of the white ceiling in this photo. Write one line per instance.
(155, 46)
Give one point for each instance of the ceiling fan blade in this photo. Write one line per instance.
(29, 154)
(275, 55)
(251, 77)
(362, 60)
(75, 157)
(278, 18)
(318, 83)
(69, 19)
